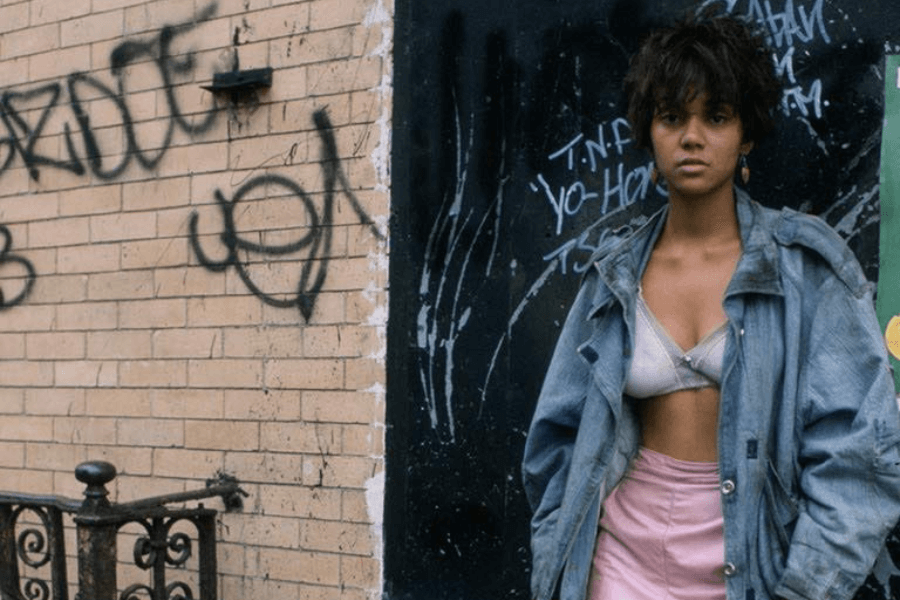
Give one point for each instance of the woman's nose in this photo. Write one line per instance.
(693, 132)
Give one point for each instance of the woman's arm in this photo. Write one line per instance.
(551, 437)
(849, 449)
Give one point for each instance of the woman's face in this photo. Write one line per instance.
(697, 147)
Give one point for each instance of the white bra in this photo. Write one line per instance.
(659, 365)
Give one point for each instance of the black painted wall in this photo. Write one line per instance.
(512, 161)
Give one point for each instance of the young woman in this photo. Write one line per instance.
(718, 419)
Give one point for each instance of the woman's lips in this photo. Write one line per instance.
(691, 165)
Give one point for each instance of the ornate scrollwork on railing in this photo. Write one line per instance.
(31, 536)
(144, 553)
(36, 589)
(179, 543)
(178, 546)
(158, 548)
(33, 541)
(132, 591)
(173, 589)
(33, 547)
(177, 590)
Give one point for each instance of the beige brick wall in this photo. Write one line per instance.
(120, 342)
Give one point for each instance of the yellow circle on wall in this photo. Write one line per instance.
(892, 336)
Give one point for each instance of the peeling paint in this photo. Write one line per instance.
(375, 510)
(380, 15)
(378, 391)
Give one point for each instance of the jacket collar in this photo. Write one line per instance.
(757, 271)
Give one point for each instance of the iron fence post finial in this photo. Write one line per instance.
(95, 475)
(96, 534)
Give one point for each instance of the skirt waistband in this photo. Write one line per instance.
(661, 465)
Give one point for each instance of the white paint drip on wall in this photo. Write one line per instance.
(449, 232)
(849, 224)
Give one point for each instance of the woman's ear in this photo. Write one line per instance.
(746, 147)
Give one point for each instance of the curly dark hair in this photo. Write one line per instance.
(721, 55)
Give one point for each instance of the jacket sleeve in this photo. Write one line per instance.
(848, 431)
(551, 437)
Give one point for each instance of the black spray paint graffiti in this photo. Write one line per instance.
(316, 242)
(7, 259)
(22, 136)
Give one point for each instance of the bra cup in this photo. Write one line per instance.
(652, 366)
(707, 356)
(659, 366)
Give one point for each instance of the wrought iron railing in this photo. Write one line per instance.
(34, 561)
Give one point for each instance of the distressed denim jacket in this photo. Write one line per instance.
(808, 433)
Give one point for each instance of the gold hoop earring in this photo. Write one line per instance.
(654, 175)
(745, 169)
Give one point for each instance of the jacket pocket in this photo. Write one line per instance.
(777, 516)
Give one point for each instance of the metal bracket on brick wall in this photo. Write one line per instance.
(32, 541)
(240, 85)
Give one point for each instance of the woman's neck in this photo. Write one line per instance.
(701, 221)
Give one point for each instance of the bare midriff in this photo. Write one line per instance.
(683, 424)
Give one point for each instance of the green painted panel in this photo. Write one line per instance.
(888, 304)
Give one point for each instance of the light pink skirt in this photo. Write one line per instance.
(661, 534)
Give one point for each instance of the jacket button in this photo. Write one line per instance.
(730, 570)
(728, 487)
(742, 331)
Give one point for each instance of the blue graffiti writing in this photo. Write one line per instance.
(795, 97)
(602, 156)
(621, 135)
(582, 245)
(793, 24)
(784, 25)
